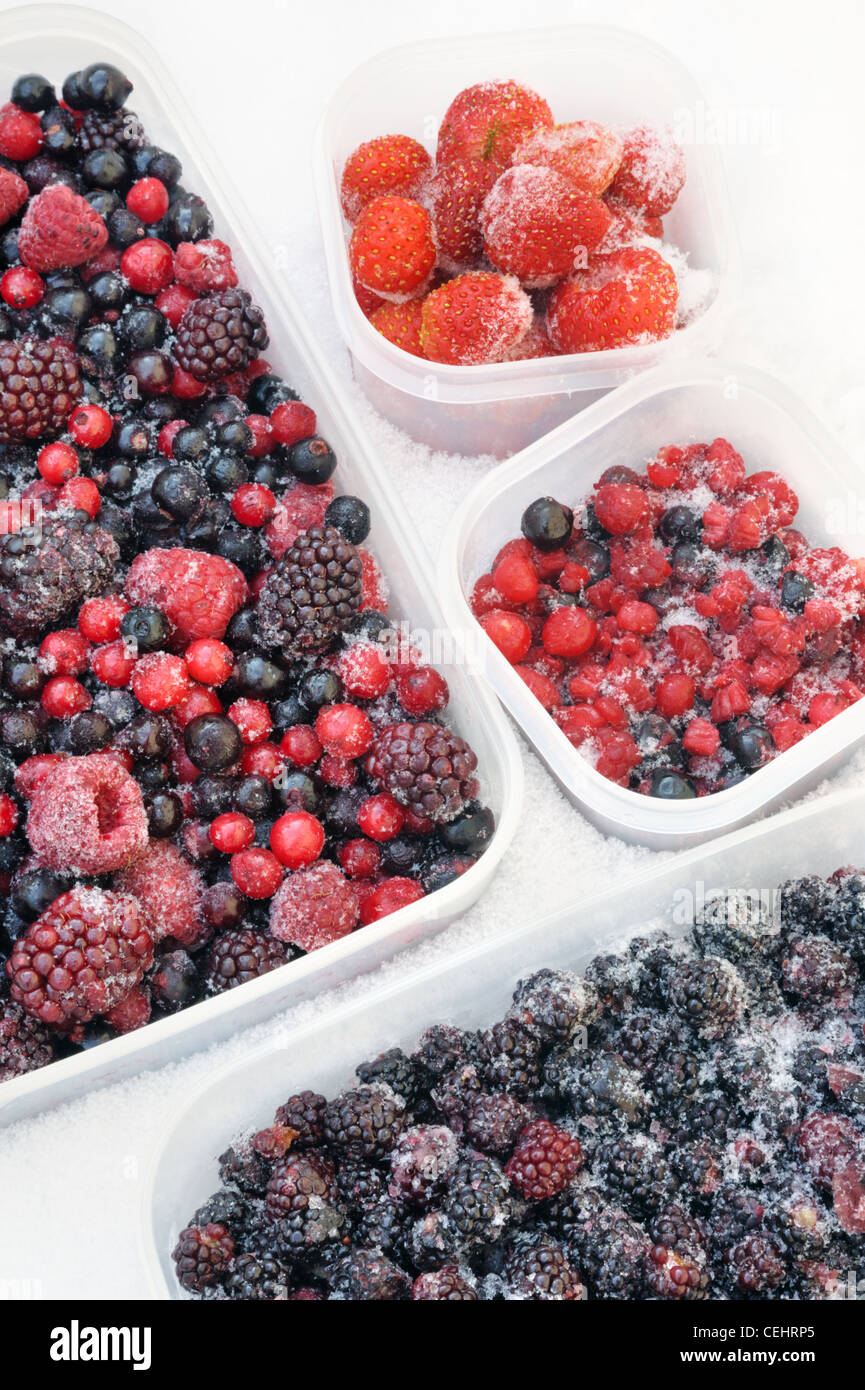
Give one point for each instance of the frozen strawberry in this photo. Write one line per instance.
(392, 251)
(538, 227)
(199, 593)
(314, 906)
(457, 192)
(488, 121)
(628, 227)
(13, 194)
(479, 317)
(367, 299)
(87, 816)
(169, 889)
(630, 297)
(535, 343)
(390, 164)
(60, 229)
(583, 152)
(204, 265)
(652, 171)
(401, 324)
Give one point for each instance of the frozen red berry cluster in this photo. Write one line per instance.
(522, 239)
(684, 1122)
(679, 629)
(216, 752)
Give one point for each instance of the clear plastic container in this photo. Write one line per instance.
(57, 40)
(583, 71)
(471, 989)
(670, 405)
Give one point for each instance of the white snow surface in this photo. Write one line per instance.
(70, 1181)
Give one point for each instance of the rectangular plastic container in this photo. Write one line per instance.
(56, 41)
(584, 72)
(471, 989)
(671, 405)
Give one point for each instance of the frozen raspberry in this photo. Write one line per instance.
(13, 195)
(198, 592)
(87, 815)
(169, 890)
(60, 229)
(488, 121)
(390, 164)
(457, 192)
(628, 297)
(81, 957)
(392, 250)
(478, 317)
(299, 509)
(652, 171)
(538, 227)
(583, 152)
(204, 265)
(130, 1013)
(314, 906)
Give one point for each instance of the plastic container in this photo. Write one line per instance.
(583, 71)
(57, 40)
(471, 989)
(671, 405)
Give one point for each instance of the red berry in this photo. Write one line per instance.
(337, 772)
(200, 700)
(364, 671)
(262, 760)
(381, 817)
(232, 832)
(160, 680)
(541, 686)
(314, 906)
(701, 738)
(174, 301)
(569, 632)
(81, 495)
(675, 695)
(9, 814)
(263, 440)
(421, 690)
(252, 718)
(148, 265)
(389, 897)
(208, 660)
(545, 1161)
(253, 504)
(148, 199)
(516, 579)
(634, 616)
(99, 618)
(64, 696)
(621, 508)
(297, 838)
(292, 421)
(826, 706)
(185, 386)
(113, 664)
(257, 872)
(360, 858)
(57, 463)
(509, 632)
(90, 426)
(64, 652)
(22, 287)
(344, 730)
(301, 745)
(20, 133)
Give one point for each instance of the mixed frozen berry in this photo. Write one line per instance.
(677, 627)
(216, 752)
(522, 238)
(686, 1121)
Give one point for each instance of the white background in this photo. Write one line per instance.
(258, 76)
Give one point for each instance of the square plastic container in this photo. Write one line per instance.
(671, 405)
(584, 72)
(58, 40)
(471, 989)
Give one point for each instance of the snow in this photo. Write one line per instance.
(800, 319)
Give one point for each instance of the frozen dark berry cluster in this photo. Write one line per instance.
(686, 1121)
(216, 752)
(678, 629)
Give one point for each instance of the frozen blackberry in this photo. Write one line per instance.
(364, 1121)
(304, 1113)
(243, 1167)
(635, 1170)
(605, 1088)
(654, 959)
(259, 1279)
(448, 1285)
(554, 1004)
(757, 1264)
(384, 1226)
(25, 1043)
(479, 1204)
(202, 1255)
(845, 916)
(360, 1185)
(39, 385)
(815, 968)
(709, 993)
(369, 1276)
(734, 1214)
(421, 1163)
(220, 334)
(675, 1228)
(540, 1270)
(804, 903)
(110, 130)
(638, 1038)
(426, 768)
(494, 1123)
(676, 1077)
(613, 978)
(47, 570)
(310, 593)
(545, 1161)
(394, 1069)
(443, 1047)
(303, 1200)
(698, 1169)
(737, 926)
(224, 1208)
(236, 957)
(670, 1273)
(510, 1058)
(455, 1092)
(611, 1248)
